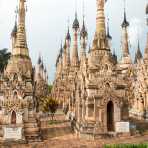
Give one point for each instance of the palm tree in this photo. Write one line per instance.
(4, 57)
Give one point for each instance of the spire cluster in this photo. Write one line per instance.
(41, 71)
(65, 51)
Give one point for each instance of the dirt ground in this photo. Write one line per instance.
(60, 136)
(70, 141)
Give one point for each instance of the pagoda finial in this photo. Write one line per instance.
(22, 11)
(68, 37)
(75, 6)
(83, 33)
(75, 23)
(75, 58)
(61, 50)
(14, 31)
(125, 22)
(21, 41)
(39, 59)
(16, 13)
(100, 19)
(138, 55)
(83, 11)
(125, 37)
(83, 14)
(114, 56)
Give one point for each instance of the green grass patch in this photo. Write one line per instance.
(127, 146)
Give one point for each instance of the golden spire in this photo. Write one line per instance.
(100, 19)
(21, 43)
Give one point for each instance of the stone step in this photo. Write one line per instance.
(32, 130)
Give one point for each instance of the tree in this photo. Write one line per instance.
(50, 105)
(4, 57)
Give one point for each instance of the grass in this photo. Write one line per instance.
(127, 146)
(52, 122)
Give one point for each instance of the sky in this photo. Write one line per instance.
(47, 21)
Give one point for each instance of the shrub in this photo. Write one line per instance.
(50, 105)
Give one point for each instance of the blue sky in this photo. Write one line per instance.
(47, 22)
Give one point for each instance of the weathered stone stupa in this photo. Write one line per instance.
(18, 120)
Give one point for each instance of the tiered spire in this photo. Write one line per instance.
(114, 57)
(65, 55)
(125, 44)
(100, 39)
(138, 55)
(21, 43)
(75, 58)
(68, 37)
(68, 42)
(39, 60)
(125, 23)
(83, 33)
(59, 55)
(83, 38)
(40, 71)
(20, 61)
(60, 60)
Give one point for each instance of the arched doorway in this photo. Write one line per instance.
(13, 118)
(110, 116)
